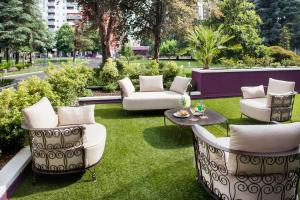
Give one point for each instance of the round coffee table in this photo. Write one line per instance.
(211, 118)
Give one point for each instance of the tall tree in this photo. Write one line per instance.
(285, 38)
(275, 15)
(240, 20)
(64, 38)
(81, 41)
(13, 29)
(107, 17)
(158, 18)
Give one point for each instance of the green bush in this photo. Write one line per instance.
(111, 87)
(279, 54)
(109, 73)
(153, 68)
(12, 102)
(249, 61)
(228, 63)
(134, 70)
(275, 64)
(119, 65)
(288, 62)
(170, 71)
(264, 61)
(70, 82)
(20, 66)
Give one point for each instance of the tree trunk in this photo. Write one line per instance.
(7, 54)
(157, 28)
(74, 55)
(0, 56)
(206, 65)
(17, 58)
(30, 57)
(105, 34)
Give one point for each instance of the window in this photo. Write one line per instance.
(51, 20)
(70, 7)
(51, 7)
(51, 26)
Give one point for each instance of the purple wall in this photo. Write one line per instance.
(228, 83)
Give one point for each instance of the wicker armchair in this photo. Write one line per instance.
(229, 174)
(64, 149)
(276, 106)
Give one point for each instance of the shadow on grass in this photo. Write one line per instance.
(119, 113)
(49, 182)
(169, 137)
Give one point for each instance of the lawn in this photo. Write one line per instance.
(143, 159)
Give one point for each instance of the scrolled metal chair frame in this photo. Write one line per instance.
(281, 107)
(260, 183)
(62, 150)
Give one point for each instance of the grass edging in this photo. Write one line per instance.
(10, 173)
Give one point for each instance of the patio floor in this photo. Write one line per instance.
(143, 159)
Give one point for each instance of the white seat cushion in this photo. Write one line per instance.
(126, 86)
(256, 109)
(154, 100)
(76, 115)
(279, 87)
(40, 115)
(180, 84)
(94, 142)
(151, 84)
(253, 92)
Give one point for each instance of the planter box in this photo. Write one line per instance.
(228, 83)
(11, 173)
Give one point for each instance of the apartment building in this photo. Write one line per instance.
(58, 12)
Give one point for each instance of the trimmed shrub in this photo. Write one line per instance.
(70, 82)
(153, 68)
(111, 87)
(264, 61)
(275, 64)
(109, 73)
(119, 65)
(170, 71)
(279, 54)
(249, 61)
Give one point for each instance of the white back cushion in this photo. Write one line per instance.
(279, 87)
(262, 139)
(265, 138)
(180, 84)
(40, 115)
(76, 115)
(151, 84)
(253, 92)
(127, 86)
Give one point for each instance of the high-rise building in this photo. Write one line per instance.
(203, 9)
(58, 12)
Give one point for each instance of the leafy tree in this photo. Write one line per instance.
(169, 48)
(107, 17)
(21, 27)
(81, 41)
(159, 18)
(13, 30)
(240, 20)
(285, 38)
(275, 15)
(127, 52)
(206, 43)
(64, 38)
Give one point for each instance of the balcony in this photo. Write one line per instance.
(73, 17)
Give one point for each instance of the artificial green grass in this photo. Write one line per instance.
(143, 159)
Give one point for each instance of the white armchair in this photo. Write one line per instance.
(68, 141)
(244, 166)
(277, 105)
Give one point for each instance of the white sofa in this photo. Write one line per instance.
(152, 95)
(277, 105)
(256, 162)
(68, 141)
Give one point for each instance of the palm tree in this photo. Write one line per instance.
(206, 43)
